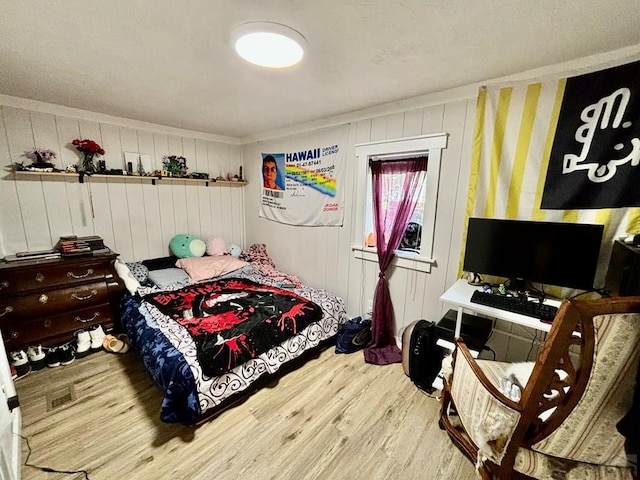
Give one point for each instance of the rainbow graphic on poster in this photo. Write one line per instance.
(311, 178)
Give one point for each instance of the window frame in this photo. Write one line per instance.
(429, 145)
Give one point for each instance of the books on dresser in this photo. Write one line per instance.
(73, 245)
(68, 246)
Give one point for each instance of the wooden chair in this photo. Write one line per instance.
(564, 425)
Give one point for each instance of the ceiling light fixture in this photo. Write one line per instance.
(268, 44)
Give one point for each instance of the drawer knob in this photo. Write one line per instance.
(73, 275)
(92, 293)
(43, 298)
(4, 284)
(87, 320)
(7, 309)
(47, 323)
(15, 334)
(39, 277)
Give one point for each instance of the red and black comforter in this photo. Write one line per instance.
(233, 320)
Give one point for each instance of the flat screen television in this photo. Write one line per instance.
(553, 253)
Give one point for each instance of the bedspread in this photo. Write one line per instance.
(233, 320)
(169, 351)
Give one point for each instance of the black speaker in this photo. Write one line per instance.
(623, 275)
(475, 331)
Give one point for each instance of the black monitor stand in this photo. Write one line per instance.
(517, 284)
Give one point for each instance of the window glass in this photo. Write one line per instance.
(394, 193)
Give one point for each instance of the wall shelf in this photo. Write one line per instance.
(131, 178)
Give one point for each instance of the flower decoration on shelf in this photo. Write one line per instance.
(41, 159)
(176, 166)
(89, 150)
(43, 155)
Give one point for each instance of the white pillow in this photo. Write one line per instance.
(130, 282)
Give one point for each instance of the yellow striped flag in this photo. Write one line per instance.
(512, 161)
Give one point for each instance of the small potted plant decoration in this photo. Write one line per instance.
(176, 166)
(41, 159)
(89, 150)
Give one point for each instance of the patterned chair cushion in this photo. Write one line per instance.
(545, 467)
(589, 433)
(489, 423)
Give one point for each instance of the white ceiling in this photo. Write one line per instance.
(169, 62)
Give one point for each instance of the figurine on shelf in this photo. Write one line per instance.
(41, 159)
(175, 165)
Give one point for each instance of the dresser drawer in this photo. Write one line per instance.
(50, 275)
(53, 301)
(53, 328)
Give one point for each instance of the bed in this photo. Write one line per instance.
(208, 343)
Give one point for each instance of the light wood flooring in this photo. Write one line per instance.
(336, 417)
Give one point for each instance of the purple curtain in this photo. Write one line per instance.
(390, 222)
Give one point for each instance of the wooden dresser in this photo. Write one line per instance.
(46, 301)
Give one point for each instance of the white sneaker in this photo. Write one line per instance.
(20, 362)
(97, 336)
(83, 343)
(19, 358)
(37, 357)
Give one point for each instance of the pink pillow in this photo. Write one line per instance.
(216, 246)
(202, 268)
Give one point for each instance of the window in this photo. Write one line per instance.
(416, 251)
(393, 186)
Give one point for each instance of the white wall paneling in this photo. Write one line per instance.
(135, 218)
(32, 203)
(322, 256)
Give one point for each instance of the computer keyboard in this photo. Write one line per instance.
(521, 305)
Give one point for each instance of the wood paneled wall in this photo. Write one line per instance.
(322, 256)
(135, 218)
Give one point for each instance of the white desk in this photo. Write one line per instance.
(459, 295)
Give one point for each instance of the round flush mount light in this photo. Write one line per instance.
(268, 44)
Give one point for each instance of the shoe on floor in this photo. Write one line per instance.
(127, 344)
(66, 354)
(97, 337)
(20, 362)
(83, 343)
(114, 344)
(53, 357)
(37, 357)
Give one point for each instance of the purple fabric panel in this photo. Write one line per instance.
(383, 349)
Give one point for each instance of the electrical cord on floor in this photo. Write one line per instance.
(48, 469)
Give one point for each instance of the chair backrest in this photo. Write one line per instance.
(583, 385)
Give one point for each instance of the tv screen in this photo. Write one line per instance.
(554, 253)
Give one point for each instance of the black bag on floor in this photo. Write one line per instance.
(353, 335)
(421, 356)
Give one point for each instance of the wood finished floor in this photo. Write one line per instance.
(336, 417)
